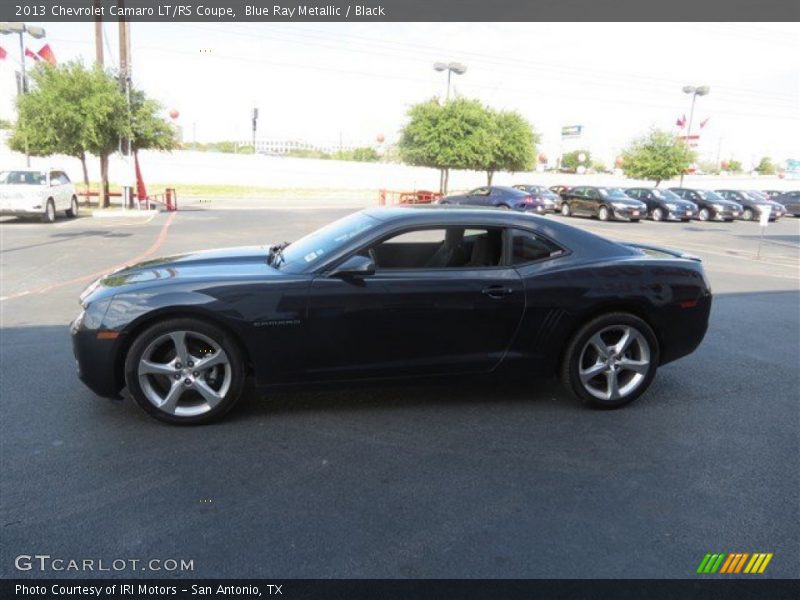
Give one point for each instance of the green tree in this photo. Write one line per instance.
(571, 160)
(456, 135)
(732, 165)
(512, 144)
(656, 156)
(149, 130)
(71, 110)
(766, 166)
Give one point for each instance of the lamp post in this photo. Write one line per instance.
(21, 29)
(453, 67)
(695, 91)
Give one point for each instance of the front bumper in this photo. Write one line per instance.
(629, 213)
(17, 211)
(95, 360)
(682, 214)
(727, 214)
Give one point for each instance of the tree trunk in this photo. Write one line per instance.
(85, 171)
(446, 180)
(489, 176)
(657, 182)
(441, 181)
(105, 201)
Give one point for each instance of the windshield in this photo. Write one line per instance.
(310, 249)
(22, 178)
(613, 193)
(709, 195)
(665, 195)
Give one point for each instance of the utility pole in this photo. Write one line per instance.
(125, 84)
(98, 34)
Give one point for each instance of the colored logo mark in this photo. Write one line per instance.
(737, 562)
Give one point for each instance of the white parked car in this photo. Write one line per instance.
(29, 192)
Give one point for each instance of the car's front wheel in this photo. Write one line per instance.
(603, 214)
(747, 214)
(49, 215)
(565, 210)
(185, 371)
(72, 211)
(611, 360)
(658, 214)
(704, 214)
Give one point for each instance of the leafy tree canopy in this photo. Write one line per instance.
(570, 160)
(656, 156)
(766, 166)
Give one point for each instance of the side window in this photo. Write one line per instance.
(62, 178)
(440, 248)
(54, 178)
(592, 193)
(527, 247)
(634, 193)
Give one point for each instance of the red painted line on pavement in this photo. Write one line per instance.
(162, 236)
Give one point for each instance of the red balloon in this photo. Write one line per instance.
(380, 138)
(543, 158)
(619, 161)
(174, 114)
(725, 164)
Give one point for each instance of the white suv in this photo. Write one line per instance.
(27, 193)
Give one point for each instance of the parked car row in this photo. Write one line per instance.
(635, 203)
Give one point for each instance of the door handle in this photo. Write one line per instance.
(497, 291)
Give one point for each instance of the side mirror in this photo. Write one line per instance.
(354, 267)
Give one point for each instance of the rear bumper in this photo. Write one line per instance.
(20, 211)
(683, 328)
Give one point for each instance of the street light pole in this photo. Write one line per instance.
(695, 92)
(453, 67)
(21, 29)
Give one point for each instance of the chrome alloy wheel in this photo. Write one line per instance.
(614, 362)
(184, 373)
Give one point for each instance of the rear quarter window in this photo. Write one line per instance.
(528, 247)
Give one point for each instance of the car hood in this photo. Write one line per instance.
(221, 264)
(627, 201)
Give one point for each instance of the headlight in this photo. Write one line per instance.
(619, 205)
(672, 206)
(718, 207)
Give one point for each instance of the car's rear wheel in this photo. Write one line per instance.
(658, 214)
(704, 214)
(603, 214)
(72, 211)
(611, 360)
(49, 215)
(185, 371)
(565, 210)
(747, 214)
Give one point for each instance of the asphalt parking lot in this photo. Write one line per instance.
(422, 480)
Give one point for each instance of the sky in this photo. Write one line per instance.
(317, 82)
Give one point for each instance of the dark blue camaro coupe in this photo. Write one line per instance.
(396, 292)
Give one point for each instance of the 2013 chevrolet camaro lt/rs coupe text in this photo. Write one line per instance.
(392, 292)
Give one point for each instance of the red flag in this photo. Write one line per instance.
(703, 123)
(3, 53)
(46, 54)
(681, 122)
(29, 54)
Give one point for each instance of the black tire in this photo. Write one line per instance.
(49, 215)
(570, 365)
(704, 214)
(604, 213)
(227, 342)
(566, 211)
(72, 211)
(657, 214)
(747, 214)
